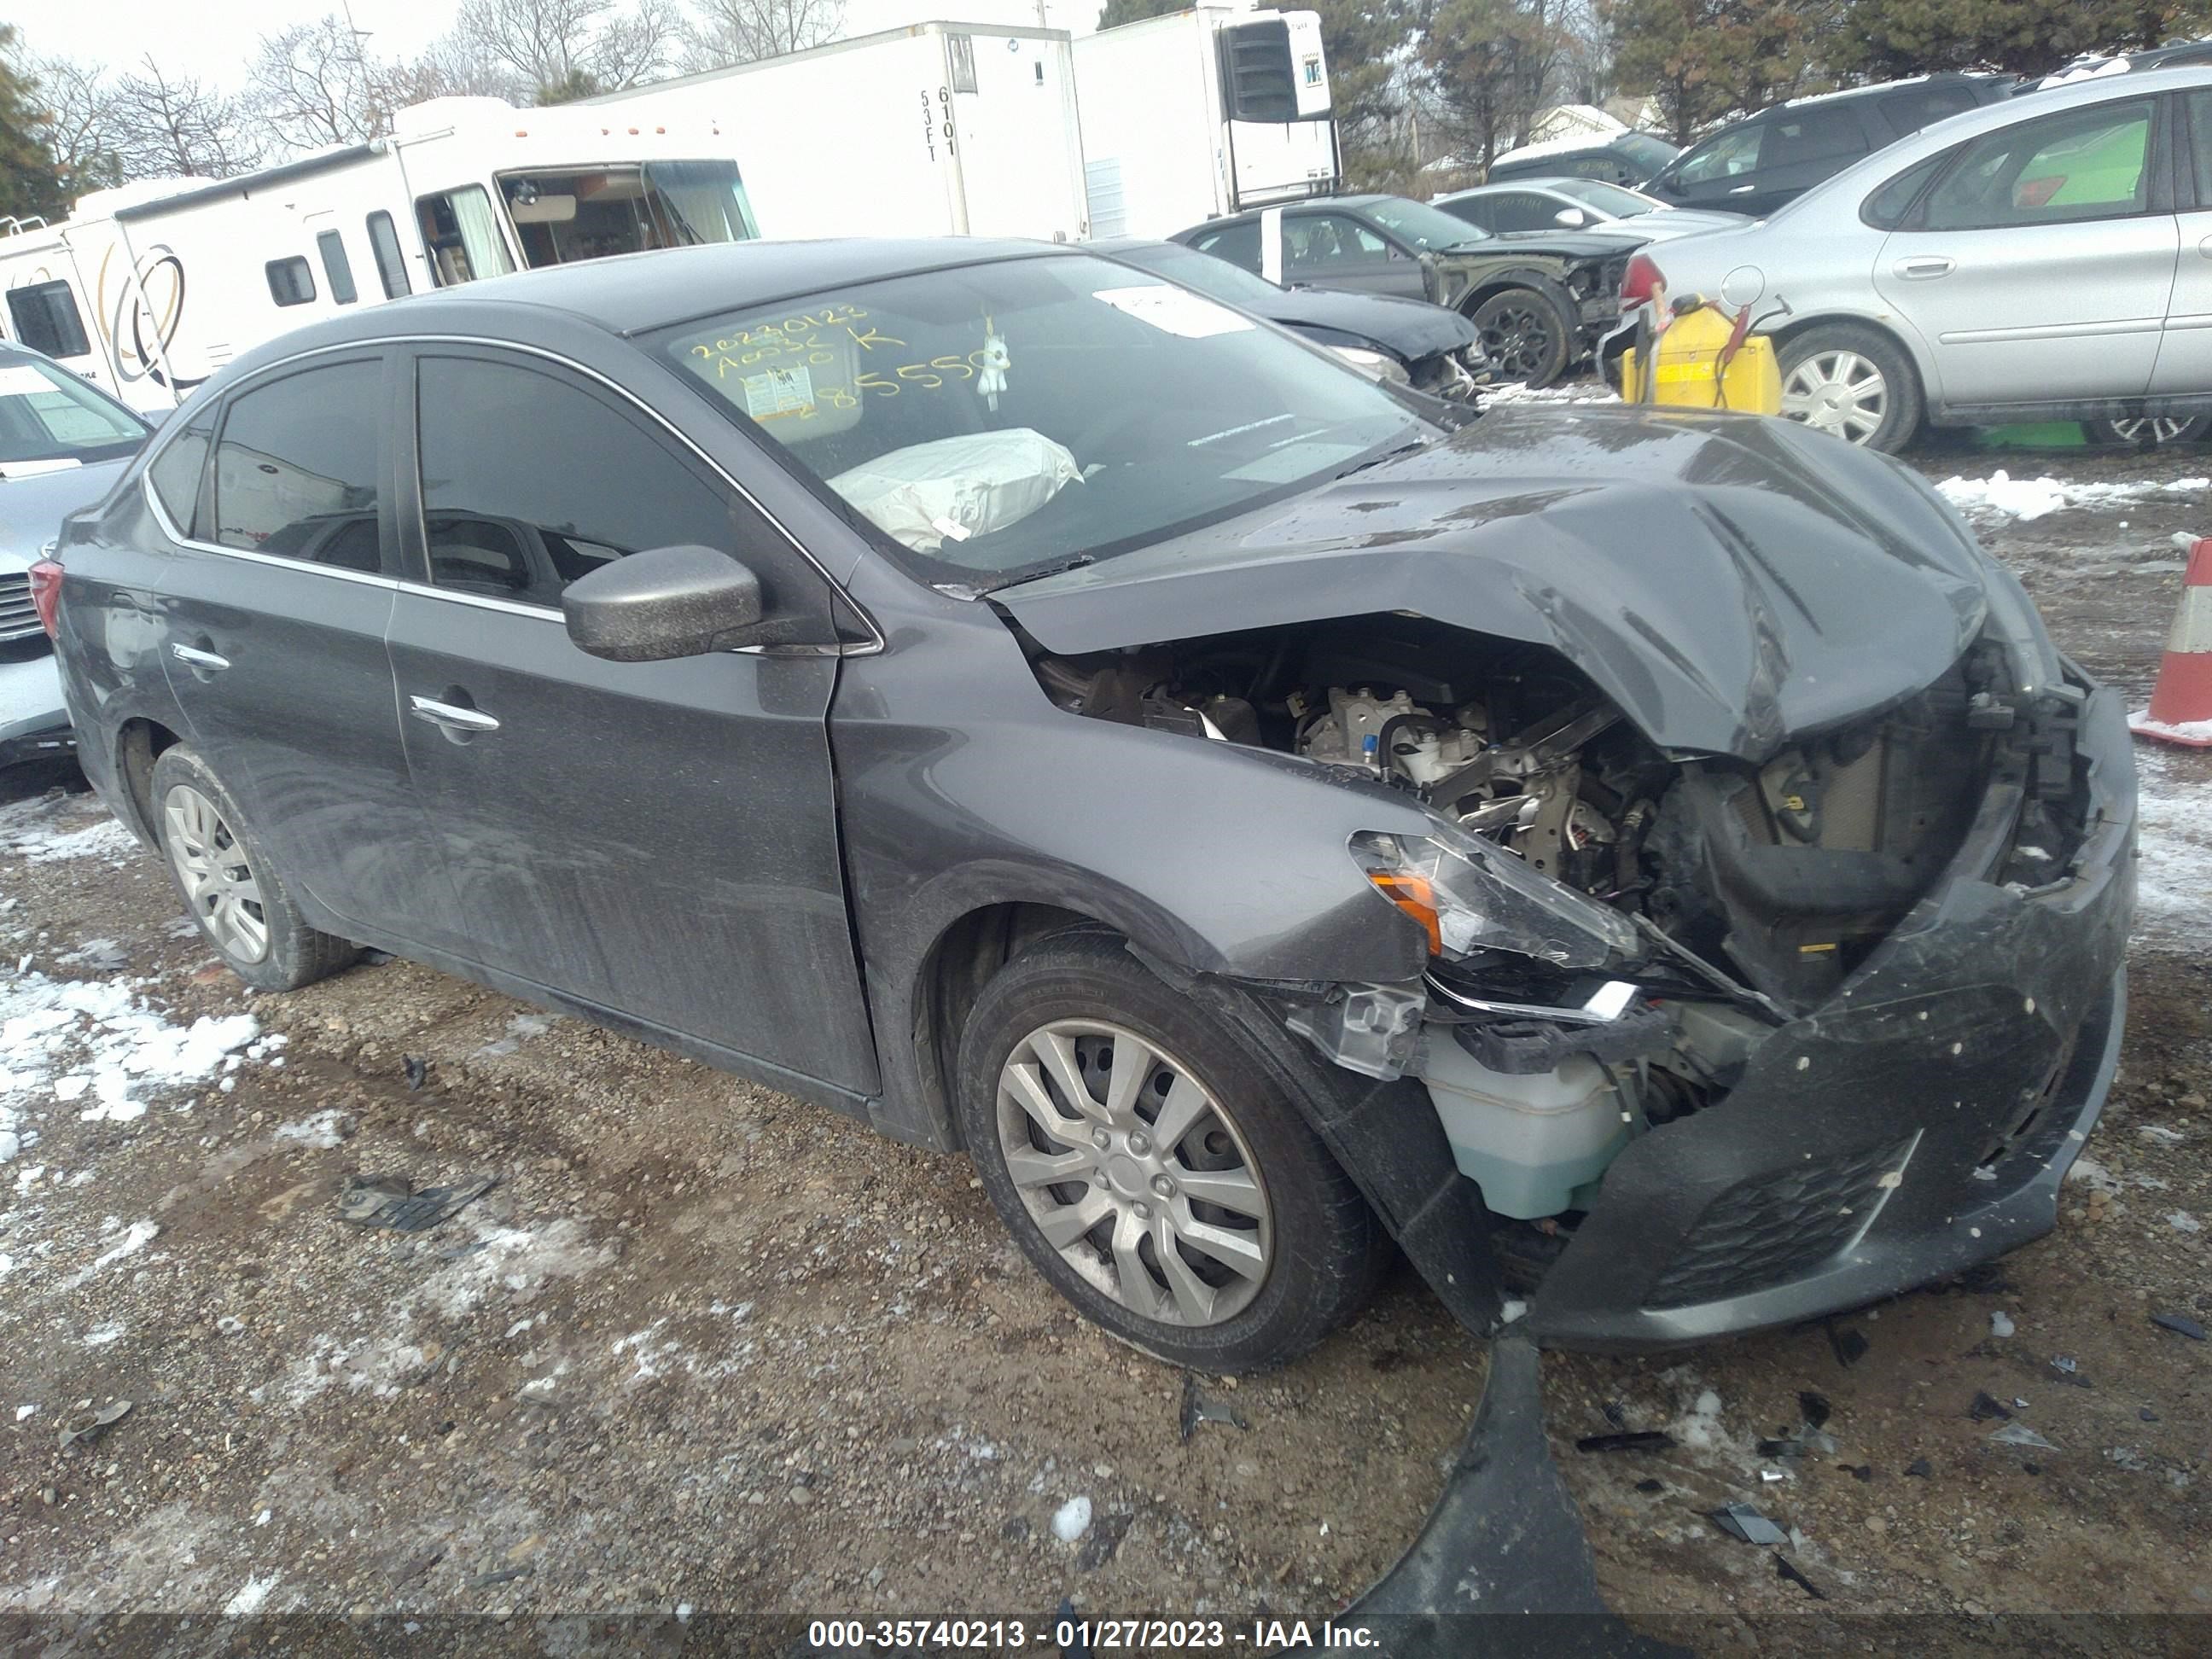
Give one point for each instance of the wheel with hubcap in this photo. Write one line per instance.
(1525, 335)
(2149, 432)
(1152, 1168)
(1853, 383)
(229, 887)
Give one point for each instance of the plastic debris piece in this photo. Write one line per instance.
(1861, 1472)
(386, 1201)
(1815, 1407)
(1616, 1413)
(1197, 1409)
(1651, 1485)
(2146, 1415)
(1634, 1440)
(1986, 1410)
(92, 1428)
(2065, 1366)
(2019, 1434)
(1850, 1345)
(2018, 1404)
(1920, 1467)
(418, 1072)
(2180, 1325)
(1770, 1476)
(1786, 1570)
(1741, 1521)
(2000, 1325)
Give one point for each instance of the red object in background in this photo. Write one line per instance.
(2181, 702)
(1640, 281)
(46, 594)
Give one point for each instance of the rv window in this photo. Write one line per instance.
(46, 318)
(295, 469)
(564, 214)
(175, 473)
(336, 267)
(290, 281)
(390, 263)
(462, 234)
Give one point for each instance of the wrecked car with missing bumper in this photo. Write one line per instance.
(1655, 865)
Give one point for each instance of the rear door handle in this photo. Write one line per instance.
(1922, 268)
(451, 717)
(195, 658)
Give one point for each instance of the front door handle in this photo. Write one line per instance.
(1743, 190)
(193, 657)
(2204, 248)
(1920, 270)
(451, 717)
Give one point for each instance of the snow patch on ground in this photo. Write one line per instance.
(1701, 1424)
(1071, 1520)
(320, 1131)
(42, 844)
(2002, 497)
(2173, 880)
(250, 1598)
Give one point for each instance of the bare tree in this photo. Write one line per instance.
(563, 46)
(79, 103)
(744, 31)
(312, 85)
(169, 125)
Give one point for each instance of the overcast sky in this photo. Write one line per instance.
(212, 39)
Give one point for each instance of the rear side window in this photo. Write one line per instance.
(295, 469)
(2085, 164)
(1817, 133)
(46, 318)
(337, 269)
(1886, 209)
(1910, 111)
(1525, 210)
(2200, 141)
(1238, 243)
(390, 263)
(530, 482)
(176, 472)
(1723, 155)
(290, 281)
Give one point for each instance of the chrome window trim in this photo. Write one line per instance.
(874, 643)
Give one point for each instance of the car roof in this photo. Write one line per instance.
(1542, 182)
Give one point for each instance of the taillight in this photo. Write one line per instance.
(1641, 281)
(46, 594)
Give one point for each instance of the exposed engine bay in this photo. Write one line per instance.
(1753, 891)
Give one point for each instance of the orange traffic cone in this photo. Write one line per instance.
(2181, 702)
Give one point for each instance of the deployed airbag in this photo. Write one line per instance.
(950, 488)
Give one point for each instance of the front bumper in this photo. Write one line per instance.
(1919, 1123)
(34, 721)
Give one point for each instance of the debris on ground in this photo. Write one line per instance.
(1742, 1521)
(1105, 1538)
(419, 1070)
(1630, 1440)
(1986, 1410)
(2179, 1325)
(90, 1428)
(2000, 1325)
(1815, 1406)
(1921, 1468)
(390, 1201)
(1197, 1409)
(2019, 1434)
(1850, 1345)
(1786, 1570)
(1651, 1485)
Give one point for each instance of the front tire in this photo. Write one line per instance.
(1151, 1169)
(1525, 334)
(227, 885)
(1855, 383)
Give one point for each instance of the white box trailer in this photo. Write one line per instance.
(938, 129)
(1203, 112)
(148, 290)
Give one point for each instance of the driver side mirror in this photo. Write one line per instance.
(1572, 218)
(665, 602)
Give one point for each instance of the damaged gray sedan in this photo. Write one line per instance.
(1651, 864)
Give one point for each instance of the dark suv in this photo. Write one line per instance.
(994, 692)
(1755, 165)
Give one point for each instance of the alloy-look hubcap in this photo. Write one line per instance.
(1837, 391)
(218, 882)
(1134, 1172)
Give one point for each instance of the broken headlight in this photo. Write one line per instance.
(1376, 364)
(1468, 894)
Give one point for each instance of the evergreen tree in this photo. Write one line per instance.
(29, 182)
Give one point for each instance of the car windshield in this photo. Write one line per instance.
(49, 418)
(1025, 413)
(1616, 200)
(1426, 227)
(1230, 284)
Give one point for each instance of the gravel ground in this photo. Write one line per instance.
(703, 1348)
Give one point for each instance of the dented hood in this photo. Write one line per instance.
(1728, 580)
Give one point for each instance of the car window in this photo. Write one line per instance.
(1645, 151)
(1239, 244)
(530, 481)
(2200, 136)
(1523, 209)
(336, 267)
(176, 473)
(1917, 107)
(2084, 164)
(296, 466)
(1723, 155)
(48, 415)
(390, 263)
(1615, 200)
(1317, 243)
(1481, 211)
(46, 318)
(461, 230)
(1218, 277)
(1886, 209)
(1815, 132)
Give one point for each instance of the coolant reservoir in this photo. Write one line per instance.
(1527, 1141)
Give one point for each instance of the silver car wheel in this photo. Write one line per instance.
(218, 882)
(2157, 430)
(1134, 1173)
(1837, 391)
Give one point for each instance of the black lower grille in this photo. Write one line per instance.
(1778, 1227)
(19, 618)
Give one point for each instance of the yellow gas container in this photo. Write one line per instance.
(1693, 368)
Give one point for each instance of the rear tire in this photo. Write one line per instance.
(1525, 334)
(2151, 432)
(227, 885)
(1183, 1204)
(1855, 383)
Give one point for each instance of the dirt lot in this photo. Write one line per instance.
(702, 1347)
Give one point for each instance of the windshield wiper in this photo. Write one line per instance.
(1014, 578)
(1386, 455)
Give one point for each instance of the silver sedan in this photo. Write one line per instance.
(2045, 258)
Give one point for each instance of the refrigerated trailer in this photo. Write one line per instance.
(1203, 112)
